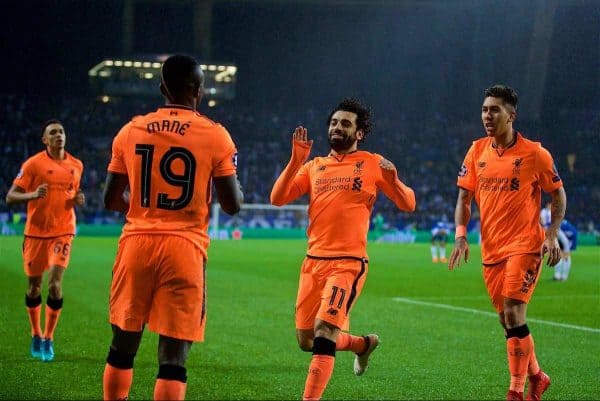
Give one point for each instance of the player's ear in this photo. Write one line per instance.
(360, 134)
(44, 138)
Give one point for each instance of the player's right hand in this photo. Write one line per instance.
(461, 249)
(301, 145)
(41, 191)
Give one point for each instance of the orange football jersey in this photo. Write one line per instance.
(343, 190)
(170, 156)
(507, 190)
(53, 215)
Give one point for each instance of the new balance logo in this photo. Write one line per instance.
(357, 184)
(528, 281)
(514, 184)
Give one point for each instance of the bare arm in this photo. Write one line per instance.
(114, 189)
(229, 193)
(283, 191)
(558, 207)
(462, 214)
(17, 194)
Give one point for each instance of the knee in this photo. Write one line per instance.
(513, 318)
(305, 344)
(34, 289)
(55, 289)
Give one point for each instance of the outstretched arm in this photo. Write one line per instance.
(557, 213)
(462, 214)
(399, 193)
(284, 191)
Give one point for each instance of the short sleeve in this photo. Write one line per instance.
(117, 160)
(25, 176)
(466, 175)
(225, 159)
(548, 174)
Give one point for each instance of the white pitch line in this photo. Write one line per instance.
(480, 312)
(471, 297)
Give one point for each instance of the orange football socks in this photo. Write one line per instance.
(51, 321)
(533, 368)
(34, 319)
(116, 382)
(169, 390)
(519, 353)
(319, 373)
(348, 342)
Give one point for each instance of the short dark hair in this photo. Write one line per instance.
(49, 122)
(506, 93)
(363, 115)
(178, 72)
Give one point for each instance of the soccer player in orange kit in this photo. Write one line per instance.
(506, 174)
(169, 159)
(343, 187)
(49, 183)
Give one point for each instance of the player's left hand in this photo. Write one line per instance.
(461, 250)
(79, 198)
(551, 247)
(388, 170)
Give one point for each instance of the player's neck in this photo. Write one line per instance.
(352, 149)
(56, 153)
(504, 140)
(181, 103)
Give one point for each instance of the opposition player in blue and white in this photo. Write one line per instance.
(562, 269)
(439, 236)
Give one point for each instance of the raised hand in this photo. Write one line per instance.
(301, 145)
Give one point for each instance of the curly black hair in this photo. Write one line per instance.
(363, 115)
(506, 93)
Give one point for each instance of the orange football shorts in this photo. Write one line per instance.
(41, 253)
(328, 289)
(159, 280)
(515, 278)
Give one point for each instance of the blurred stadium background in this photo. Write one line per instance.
(422, 65)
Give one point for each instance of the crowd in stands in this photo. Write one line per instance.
(427, 151)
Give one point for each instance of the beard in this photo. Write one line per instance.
(341, 144)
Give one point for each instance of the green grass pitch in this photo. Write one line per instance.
(439, 337)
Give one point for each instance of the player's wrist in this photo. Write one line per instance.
(461, 232)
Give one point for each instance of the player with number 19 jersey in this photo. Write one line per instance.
(169, 157)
